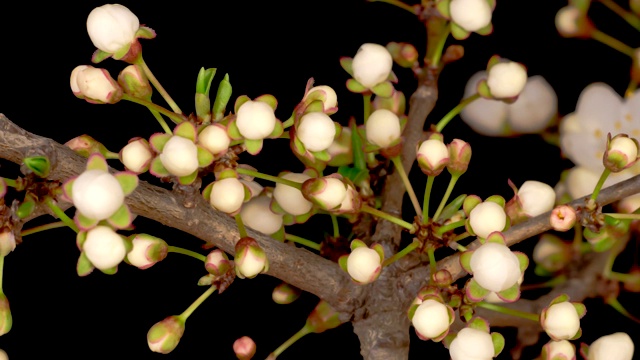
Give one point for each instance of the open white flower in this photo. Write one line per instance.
(495, 267)
(506, 79)
(617, 346)
(561, 321)
(536, 197)
(136, 155)
(104, 247)
(472, 344)
(111, 27)
(486, 218)
(372, 64)
(382, 128)
(431, 319)
(97, 194)
(363, 264)
(316, 131)
(257, 214)
(471, 15)
(227, 195)
(180, 156)
(291, 199)
(255, 120)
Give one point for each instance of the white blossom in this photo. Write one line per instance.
(180, 156)
(97, 194)
(227, 195)
(111, 27)
(255, 120)
(214, 138)
(372, 64)
(316, 131)
(382, 128)
(104, 247)
(495, 267)
(291, 199)
(472, 344)
(486, 218)
(363, 264)
(562, 321)
(617, 346)
(536, 197)
(471, 15)
(431, 319)
(136, 155)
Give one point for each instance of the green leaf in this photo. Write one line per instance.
(222, 98)
(452, 208)
(39, 165)
(122, 218)
(203, 106)
(97, 162)
(498, 343)
(186, 130)
(84, 266)
(203, 82)
(128, 182)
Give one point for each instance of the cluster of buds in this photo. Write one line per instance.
(433, 156)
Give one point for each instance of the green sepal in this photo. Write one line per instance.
(268, 99)
(227, 173)
(83, 222)
(97, 162)
(347, 64)
(188, 179)
(467, 226)
(323, 155)
(239, 101)
(186, 130)
(498, 238)
(412, 311)
(157, 169)
(496, 199)
(355, 175)
(205, 157)
(452, 208)
(577, 335)
(99, 56)
(511, 294)
(378, 248)
(580, 309)
(493, 61)
(356, 244)
(122, 52)
(39, 165)
(474, 291)
(385, 89)
(479, 323)
(559, 299)
(158, 141)
(523, 259)
(342, 261)
(465, 261)
(253, 146)
(84, 266)
(278, 129)
(584, 350)
(458, 32)
(483, 89)
(203, 82)
(298, 146)
(279, 235)
(356, 87)
(233, 131)
(449, 339)
(81, 237)
(469, 203)
(485, 30)
(206, 192)
(314, 106)
(443, 8)
(145, 33)
(122, 218)
(222, 98)
(110, 271)
(26, 207)
(128, 181)
(498, 343)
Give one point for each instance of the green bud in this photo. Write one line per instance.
(164, 336)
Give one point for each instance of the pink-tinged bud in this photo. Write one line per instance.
(147, 251)
(573, 22)
(397, 103)
(404, 54)
(330, 98)
(95, 85)
(244, 348)
(459, 157)
(621, 152)
(433, 156)
(327, 192)
(285, 294)
(383, 128)
(164, 336)
(250, 259)
(85, 145)
(432, 319)
(558, 350)
(563, 218)
(352, 201)
(442, 278)
(218, 263)
(323, 318)
(6, 320)
(135, 83)
(364, 264)
(7, 242)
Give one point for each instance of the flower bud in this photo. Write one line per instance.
(147, 251)
(471, 15)
(563, 218)
(6, 320)
(7, 242)
(432, 319)
(85, 145)
(331, 98)
(3, 355)
(134, 82)
(327, 192)
(227, 195)
(486, 218)
(257, 214)
(316, 131)
(97, 194)
(404, 54)
(255, 120)
(164, 336)
(471, 344)
(291, 199)
(573, 22)
(495, 267)
(532, 199)
(214, 138)
(323, 318)
(95, 85)
(244, 348)
(617, 346)
(217, 263)
(558, 350)
(551, 253)
(180, 156)
(364, 264)
(351, 203)
(561, 321)
(621, 153)
(372, 65)
(112, 27)
(433, 156)
(285, 294)
(104, 248)
(136, 155)
(506, 79)
(459, 157)
(250, 259)
(383, 128)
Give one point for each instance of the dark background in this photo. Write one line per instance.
(266, 47)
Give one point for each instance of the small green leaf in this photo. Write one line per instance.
(222, 98)
(347, 64)
(452, 208)
(145, 33)
(84, 266)
(205, 158)
(233, 131)
(97, 162)
(128, 182)
(39, 165)
(355, 87)
(186, 130)
(268, 99)
(253, 146)
(498, 343)
(158, 141)
(203, 106)
(203, 82)
(122, 218)
(188, 179)
(496, 237)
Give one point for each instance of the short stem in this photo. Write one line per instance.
(403, 175)
(165, 95)
(613, 275)
(111, 155)
(402, 253)
(161, 121)
(462, 236)
(151, 106)
(577, 238)
(445, 198)
(366, 97)
(334, 224)
(37, 229)
(383, 215)
(10, 182)
(603, 178)
(397, 3)
(427, 197)
(437, 53)
(547, 284)
(185, 315)
(612, 42)
(61, 215)
(454, 225)
(623, 216)
(455, 111)
(297, 336)
(193, 254)
(628, 16)
(272, 178)
(289, 122)
(432, 262)
(611, 258)
(302, 241)
(509, 311)
(461, 248)
(240, 224)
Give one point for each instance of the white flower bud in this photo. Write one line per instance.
(556, 349)
(214, 138)
(7, 242)
(316, 131)
(332, 194)
(244, 348)
(3, 355)
(331, 100)
(536, 105)
(495, 267)
(372, 65)
(136, 155)
(617, 346)
(382, 128)
(73, 80)
(257, 215)
(97, 194)
(431, 319)
(486, 218)
(472, 344)
(147, 251)
(433, 156)
(255, 120)
(250, 259)
(567, 20)
(180, 156)
(471, 15)
(363, 264)
(291, 199)
(561, 321)
(227, 195)
(95, 84)
(536, 197)
(624, 146)
(506, 79)
(111, 27)
(104, 247)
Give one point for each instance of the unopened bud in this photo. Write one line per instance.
(250, 259)
(563, 218)
(459, 156)
(621, 152)
(217, 263)
(147, 251)
(6, 320)
(323, 318)
(164, 336)
(327, 192)
(404, 54)
(285, 294)
(433, 156)
(244, 348)
(134, 82)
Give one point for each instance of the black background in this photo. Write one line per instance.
(266, 47)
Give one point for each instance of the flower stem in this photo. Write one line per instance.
(37, 229)
(547, 284)
(1, 271)
(60, 214)
(10, 182)
(275, 179)
(397, 3)
(509, 311)
(600, 183)
(161, 121)
(297, 336)
(403, 175)
(302, 241)
(193, 254)
(628, 16)
(185, 315)
(241, 229)
(334, 224)
(622, 277)
(432, 262)
(151, 106)
(462, 236)
(427, 196)
(623, 216)
(445, 198)
(165, 95)
(454, 225)
(455, 111)
(366, 97)
(437, 53)
(383, 215)
(110, 155)
(402, 253)
(461, 248)
(612, 42)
